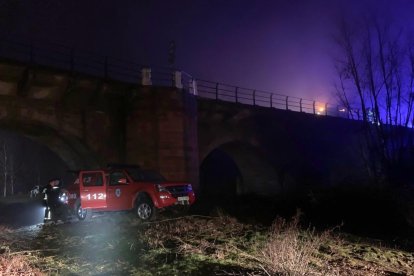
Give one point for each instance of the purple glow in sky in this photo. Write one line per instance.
(283, 46)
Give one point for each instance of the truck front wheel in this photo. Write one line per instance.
(145, 209)
(82, 214)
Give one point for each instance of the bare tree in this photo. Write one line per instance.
(14, 169)
(4, 166)
(375, 83)
(10, 167)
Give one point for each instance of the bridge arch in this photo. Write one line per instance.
(236, 168)
(68, 148)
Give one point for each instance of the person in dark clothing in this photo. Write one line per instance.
(51, 197)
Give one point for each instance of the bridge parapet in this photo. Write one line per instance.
(106, 67)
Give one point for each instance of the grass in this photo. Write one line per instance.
(237, 243)
(17, 262)
(218, 243)
(215, 244)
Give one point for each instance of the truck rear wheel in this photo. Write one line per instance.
(82, 214)
(145, 209)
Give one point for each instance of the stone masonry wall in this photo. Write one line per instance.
(162, 133)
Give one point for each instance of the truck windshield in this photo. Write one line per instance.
(145, 175)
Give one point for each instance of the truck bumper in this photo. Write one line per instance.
(165, 200)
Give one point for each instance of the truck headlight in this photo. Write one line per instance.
(161, 188)
(63, 197)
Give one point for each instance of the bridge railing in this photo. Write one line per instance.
(80, 61)
(236, 94)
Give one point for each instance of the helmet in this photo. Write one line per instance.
(54, 182)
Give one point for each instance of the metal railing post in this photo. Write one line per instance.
(72, 60)
(146, 76)
(237, 91)
(106, 67)
(287, 102)
(217, 87)
(172, 76)
(178, 83)
(31, 53)
(193, 86)
(254, 97)
(314, 107)
(300, 104)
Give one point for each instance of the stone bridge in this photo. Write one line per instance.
(91, 121)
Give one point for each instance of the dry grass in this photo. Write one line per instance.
(5, 229)
(196, 234)
(17, 264)
(222, 239)
(195, 245)
(291, 251)
(285, 249)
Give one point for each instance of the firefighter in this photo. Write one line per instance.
(51, 197)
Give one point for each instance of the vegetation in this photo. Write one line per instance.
(193, 245)
(375, 66)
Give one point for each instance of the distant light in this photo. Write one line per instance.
(342, 110)
(320, 110)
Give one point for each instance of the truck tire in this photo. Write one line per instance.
(82, 214)
(145, 209)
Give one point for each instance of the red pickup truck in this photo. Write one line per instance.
(124, 187)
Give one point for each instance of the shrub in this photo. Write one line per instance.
(290, 251)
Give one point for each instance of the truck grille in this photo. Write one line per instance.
(178, 191)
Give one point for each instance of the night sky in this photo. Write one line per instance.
(281, 46)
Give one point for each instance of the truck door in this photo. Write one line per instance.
(119, 191)
(92, 189)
